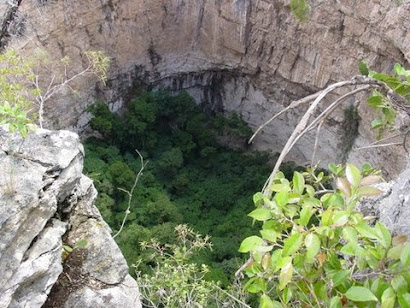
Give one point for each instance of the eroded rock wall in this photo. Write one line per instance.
(45, 203)
(267, 58)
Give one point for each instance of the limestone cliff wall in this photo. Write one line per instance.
(46, 202)
(248, 55)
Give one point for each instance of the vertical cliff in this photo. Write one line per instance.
(251, 56)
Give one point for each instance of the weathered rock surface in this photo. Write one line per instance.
(393, 207)
(250, 56)
(45, 201)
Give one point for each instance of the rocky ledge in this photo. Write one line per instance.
(46, 202)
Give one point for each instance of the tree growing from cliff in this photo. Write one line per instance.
(315, 249)
(28, 83)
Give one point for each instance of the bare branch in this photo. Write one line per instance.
(300, 128)
(131, 192)
(294, 104)
(378, 146)
(245, 265)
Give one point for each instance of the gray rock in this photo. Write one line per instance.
(121, 298)
(46, 201)
(393, 207)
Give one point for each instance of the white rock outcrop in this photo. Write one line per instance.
(46, 202)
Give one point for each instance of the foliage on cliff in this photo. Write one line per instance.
(316, 250)
(24, 91)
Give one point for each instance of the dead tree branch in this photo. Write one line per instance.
(131, 193)
(303, 126)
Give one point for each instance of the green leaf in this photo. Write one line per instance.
(292, 244)
(360, 294)
(269, 235)
(335, 302)
(366, 168)
(67, 248)
(310, 190)
(352, 249)
(377, 123)
(283, 261)
(375, 101)
(257, 198)
(312, 243)
(327, 217)
(366, 231)
(350, 234)
(298, 183)
(256, 285)
(340, 277)
(305, 215)
(384, 235)
(404, 300)
(340, 218)
(250, 243)
(275, 259)
(399, 284)
(363, 69)
(378, 287)
(278, 187)
(282, 198)
(260, 214)
(388, 298)
(285, 275)
(405, 255)
(81, 243)
(333, 168)
(353, 175)
(400, 70)
(266, 302)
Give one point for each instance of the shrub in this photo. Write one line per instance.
(316, 250)
(176, 281)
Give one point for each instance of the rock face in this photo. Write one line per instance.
(392, 208)
(250, 56)
(46, 202)
(243, 55)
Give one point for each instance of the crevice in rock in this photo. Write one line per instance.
(199, 23)
(70, 280)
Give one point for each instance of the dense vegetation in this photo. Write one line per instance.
(190, 177)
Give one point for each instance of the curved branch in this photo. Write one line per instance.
(294, 104)
(301, 126)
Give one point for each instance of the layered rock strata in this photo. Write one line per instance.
(46, 202)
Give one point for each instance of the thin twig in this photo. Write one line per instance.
(378, 146)
(130, 193)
